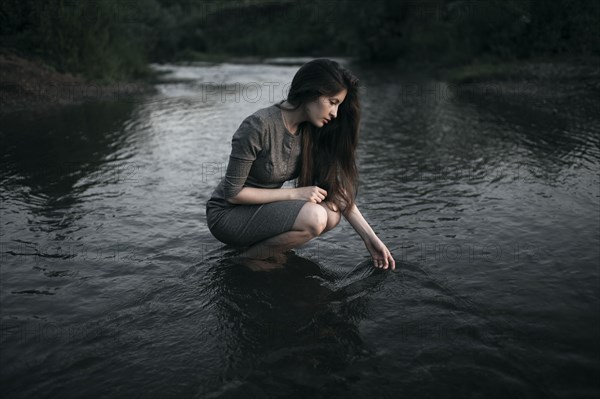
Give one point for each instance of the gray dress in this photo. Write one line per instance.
(264, 154)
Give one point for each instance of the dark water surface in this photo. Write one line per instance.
(112, 285)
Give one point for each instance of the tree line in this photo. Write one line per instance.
(109, 40)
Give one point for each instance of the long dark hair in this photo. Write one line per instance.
(329, 152)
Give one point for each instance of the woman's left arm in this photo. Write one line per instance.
(381, 255)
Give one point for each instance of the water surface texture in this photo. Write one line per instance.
(112, 285)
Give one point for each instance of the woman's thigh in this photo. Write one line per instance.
(244, 225)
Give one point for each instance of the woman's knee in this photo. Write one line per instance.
(312, 219)
(333, 215)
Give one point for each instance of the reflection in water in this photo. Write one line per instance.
(53, 154)
(286, 325)
(111, 282)
(48, 164)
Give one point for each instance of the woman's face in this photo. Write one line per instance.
(325, 108)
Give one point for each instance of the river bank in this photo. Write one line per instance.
(27, 84)
(544, 84)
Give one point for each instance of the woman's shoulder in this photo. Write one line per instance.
(260, 122)
(266, 114)
(264, 119)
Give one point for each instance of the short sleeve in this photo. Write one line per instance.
(245, 146)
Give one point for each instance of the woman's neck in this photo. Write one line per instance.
(292, 117)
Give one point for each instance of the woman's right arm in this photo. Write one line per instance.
(253, 195)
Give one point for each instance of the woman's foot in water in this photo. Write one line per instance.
(273, 262)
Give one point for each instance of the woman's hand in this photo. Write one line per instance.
(313, 194)
(382, 258)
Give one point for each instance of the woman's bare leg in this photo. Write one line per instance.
(333, 216)
(268, 254)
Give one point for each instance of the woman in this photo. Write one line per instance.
(312, 137)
